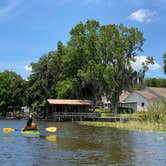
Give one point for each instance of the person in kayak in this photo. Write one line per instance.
(31, 125)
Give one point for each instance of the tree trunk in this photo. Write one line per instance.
(116, 109)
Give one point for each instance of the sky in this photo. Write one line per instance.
(30, 29)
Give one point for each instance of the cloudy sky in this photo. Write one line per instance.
(29, 29)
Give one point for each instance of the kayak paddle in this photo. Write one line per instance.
(8, 130)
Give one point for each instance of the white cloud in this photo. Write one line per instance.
(28, 67)
(9, 7)
(142, 15)
(137, 65)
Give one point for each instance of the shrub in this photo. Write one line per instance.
(156, 112)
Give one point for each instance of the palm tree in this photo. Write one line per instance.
(164, 65)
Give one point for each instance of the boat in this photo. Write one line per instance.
(30, 132)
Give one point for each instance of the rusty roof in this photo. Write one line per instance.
(69, 102)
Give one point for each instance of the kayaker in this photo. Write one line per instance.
(31, 125)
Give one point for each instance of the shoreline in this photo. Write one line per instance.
(132, 125)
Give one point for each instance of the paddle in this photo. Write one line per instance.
(8, 130)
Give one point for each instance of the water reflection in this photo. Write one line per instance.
(73, 144)
(51, 138)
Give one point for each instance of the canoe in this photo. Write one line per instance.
(30, 132)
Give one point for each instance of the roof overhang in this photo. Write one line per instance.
(69, 102)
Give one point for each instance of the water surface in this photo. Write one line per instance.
(74, 144)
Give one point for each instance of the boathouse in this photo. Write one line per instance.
(68, 109)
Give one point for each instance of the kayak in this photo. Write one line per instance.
(30, 132)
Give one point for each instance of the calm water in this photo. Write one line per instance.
(74, 144)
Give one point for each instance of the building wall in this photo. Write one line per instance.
(106, 102)
(132, 105)
(142, 103)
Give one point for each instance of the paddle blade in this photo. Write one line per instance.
(51, 129)
(8, 130)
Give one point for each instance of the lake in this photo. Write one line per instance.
(74, 145)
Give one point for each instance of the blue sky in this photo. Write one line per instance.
(29, 29)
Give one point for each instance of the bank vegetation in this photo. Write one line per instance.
(151, 119)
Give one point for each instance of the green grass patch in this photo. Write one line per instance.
(132, 125)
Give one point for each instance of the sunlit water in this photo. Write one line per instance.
(74, 144)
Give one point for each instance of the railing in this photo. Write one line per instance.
(73, 114)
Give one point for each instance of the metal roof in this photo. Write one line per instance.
(147, 95)
(161, 92)
(69, 102)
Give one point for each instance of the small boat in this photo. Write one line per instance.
(30, 132)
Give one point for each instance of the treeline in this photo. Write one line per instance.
(155, 82)
(13, 90)
(95, 61)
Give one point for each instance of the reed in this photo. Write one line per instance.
(156, 113)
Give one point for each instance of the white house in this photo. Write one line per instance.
(144, 97)
(106, 102)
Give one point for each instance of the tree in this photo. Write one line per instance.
(96, 60)
(38, 80)
(45, 75)
(119, 46)
(155, 82)
(164, 66)
(12, 91)
(145, 67)
(83, 59)
(102, 57)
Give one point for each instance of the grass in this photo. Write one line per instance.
(151, 119)
(132, 125)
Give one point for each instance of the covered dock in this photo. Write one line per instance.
(70, 109)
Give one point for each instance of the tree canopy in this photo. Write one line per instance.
(95, 61)
(12, 91)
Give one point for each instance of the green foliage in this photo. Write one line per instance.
(156, 113)
(95, 61)
(164, 63)
(155, 82)
(13, 88)
(67, 88)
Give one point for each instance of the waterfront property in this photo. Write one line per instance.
(140, 99)
(65, 109)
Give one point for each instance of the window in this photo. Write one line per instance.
(142, 104)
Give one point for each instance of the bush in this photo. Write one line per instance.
(122, 110)
(156, 113)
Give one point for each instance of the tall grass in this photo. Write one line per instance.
(151, 119)
(156, 113)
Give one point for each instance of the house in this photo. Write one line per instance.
(140, 99)
(107, 104)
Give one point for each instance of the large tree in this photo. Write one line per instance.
(101, 57)
(96, 61)
(119, 47)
